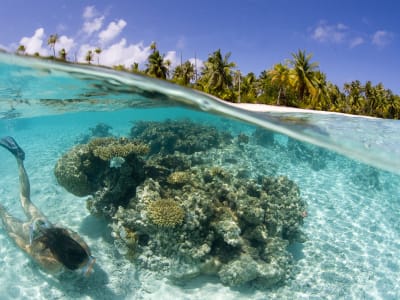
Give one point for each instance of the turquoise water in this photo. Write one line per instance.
(350, 241)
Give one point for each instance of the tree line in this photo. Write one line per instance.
(297, 82)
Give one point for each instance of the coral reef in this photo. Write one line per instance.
(109, 147)
(182, 210)
(183, 136)
(108, 169)
(229, 228)
(165, 213)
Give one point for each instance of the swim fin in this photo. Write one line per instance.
(11, 145)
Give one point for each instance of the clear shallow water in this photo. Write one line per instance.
(352, 229)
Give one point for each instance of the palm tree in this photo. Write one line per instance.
(354, 98)
(337, 98)
(266, 90)
(98, 52)
(63, 54)
(153, 46)
(280, 75)
(321, 98)
(184, 74)
(89, 56)
(135, 67)
(249, 88)
(237, 84)
(21, 49)
(52, 43)
(217, 75)
(303, 74)
(156, 65)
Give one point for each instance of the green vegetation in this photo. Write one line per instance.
(298, 82)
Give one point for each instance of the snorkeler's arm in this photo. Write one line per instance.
(46, 261)
(49, 263)
(20, 242)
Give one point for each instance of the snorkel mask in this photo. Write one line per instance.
(35, 229)
(87, 269)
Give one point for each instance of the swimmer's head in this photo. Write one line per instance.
(67, 251)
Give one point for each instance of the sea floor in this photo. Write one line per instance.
(352, 248)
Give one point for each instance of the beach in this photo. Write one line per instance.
(286, 109)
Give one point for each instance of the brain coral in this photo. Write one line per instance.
(165, 213)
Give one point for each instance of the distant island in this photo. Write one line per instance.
(297, 82)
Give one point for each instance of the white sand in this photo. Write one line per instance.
(286, 109)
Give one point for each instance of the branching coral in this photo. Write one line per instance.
(165, 213)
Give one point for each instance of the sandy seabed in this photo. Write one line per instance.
(352, 229)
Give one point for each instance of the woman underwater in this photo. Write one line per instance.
(55, 249)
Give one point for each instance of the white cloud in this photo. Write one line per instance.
(93, 25)
(173, 58)
(337, 34)
(112, 31)
(382, 38)
(197, 63)
(341, 26)
(119, 53)
(89, 12)
(65, 42)
(356, 42)
(38, 43)
(61, 27)
(34, 43)
(181, 43)
(330, 33)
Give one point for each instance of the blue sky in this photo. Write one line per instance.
(350, 39)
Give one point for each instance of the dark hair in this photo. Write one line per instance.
(65, 249)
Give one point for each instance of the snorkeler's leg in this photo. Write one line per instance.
(31, 211)
(11, 145)
(15, 228)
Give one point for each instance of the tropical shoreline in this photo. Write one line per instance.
(256, 107)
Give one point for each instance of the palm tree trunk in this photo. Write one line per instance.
(278, 101)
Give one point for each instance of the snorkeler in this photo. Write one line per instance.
(54, 248)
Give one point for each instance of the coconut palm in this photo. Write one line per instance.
(89, 56)
(153, 46)
(280, 76)
(248, 87)
(217, 75)
(63, 54)
(21, 49)
(52, 40)
(156, 65)
(184, 73)
(303, 74)
(98, 52)
(321, 98)
(135, 67)
(354, 97)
